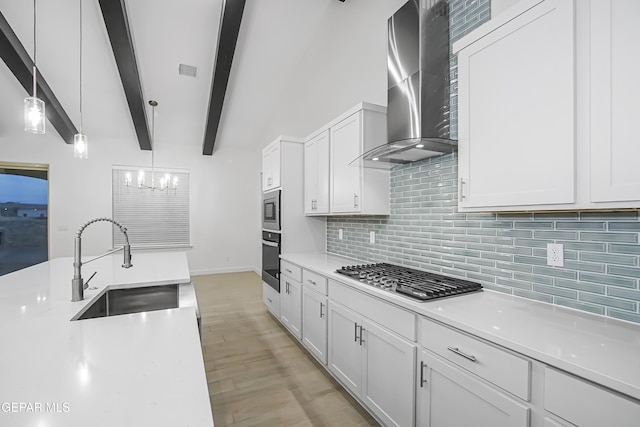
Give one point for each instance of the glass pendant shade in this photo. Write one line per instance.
(80, 146)
(34, 118)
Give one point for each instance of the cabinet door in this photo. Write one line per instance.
(346, 180)
(345, 352)
(316, 174)
(271, 167)
(615, 175)
(516, 112)
(450, 397)
(314, 323)
(388, 387)
(291, 306)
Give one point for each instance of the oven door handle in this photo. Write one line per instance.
(272, 244)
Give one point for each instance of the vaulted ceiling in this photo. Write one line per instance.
(164, 34)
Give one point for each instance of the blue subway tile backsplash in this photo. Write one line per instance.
(505, 252)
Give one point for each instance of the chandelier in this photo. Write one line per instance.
(167, 181)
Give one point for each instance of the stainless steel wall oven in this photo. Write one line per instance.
(271, 259)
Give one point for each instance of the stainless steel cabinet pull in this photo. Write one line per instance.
(269, 299)
(460, 190)
(361, 332)
(356, 333)
(422, 380)
(321, 314)
(288, 271)
(355, 200)
(311, 281)
(459, 353)
(288, 288)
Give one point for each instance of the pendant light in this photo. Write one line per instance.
(80, 140)
(167, 182)
(34, 119)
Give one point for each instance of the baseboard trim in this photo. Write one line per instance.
(202, 272)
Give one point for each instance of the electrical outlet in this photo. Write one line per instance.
(340, 233)
(372, 237)
(555, 254)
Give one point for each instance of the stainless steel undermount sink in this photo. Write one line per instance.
(117, 301)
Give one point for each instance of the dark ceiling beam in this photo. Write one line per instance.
(21, 65)
(228, 36)
(115, 18)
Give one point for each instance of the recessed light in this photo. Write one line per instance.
(419, 145)
(375, 159)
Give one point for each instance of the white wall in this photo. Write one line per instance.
(345, 63)
(225, 195)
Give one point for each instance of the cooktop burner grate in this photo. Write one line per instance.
(416, 284)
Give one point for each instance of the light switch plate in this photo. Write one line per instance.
(372, 237)
(555, 254)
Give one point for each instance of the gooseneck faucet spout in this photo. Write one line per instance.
(77, 284)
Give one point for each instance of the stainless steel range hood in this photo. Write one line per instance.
(418, 85)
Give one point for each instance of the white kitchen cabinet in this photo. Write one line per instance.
(516, 113)
(271, 299)
(314, 323)
(316, 175)
(585, 404)
(346, 182)
(388, 375)
(291, 305)
(615, 90)
(352, 189)
(345, 352)
(448, 396)
(271, 162)
(376, 365)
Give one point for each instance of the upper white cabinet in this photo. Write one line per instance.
(271, 162)
(352, 188)
(548, 108)
(516, 109)
(316, 174)
(615, 90)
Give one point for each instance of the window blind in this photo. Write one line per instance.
(153, 218)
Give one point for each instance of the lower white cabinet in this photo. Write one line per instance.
(447, 396)
(271, 299)
(585, 404)
(376, 365)
(291, 305)
(314, 323)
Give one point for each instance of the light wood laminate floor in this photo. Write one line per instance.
(258, 374)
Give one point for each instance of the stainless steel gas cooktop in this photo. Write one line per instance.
(416, 284)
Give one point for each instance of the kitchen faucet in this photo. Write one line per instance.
(77, 284)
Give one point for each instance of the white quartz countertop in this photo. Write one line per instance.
(143, 369)
(597, 348)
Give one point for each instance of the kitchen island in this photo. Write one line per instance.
(140, 369)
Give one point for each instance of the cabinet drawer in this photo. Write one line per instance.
(271, 299)
(392, 317)
(504, 369)
(291, 270)
(586, 404)
(314, 281)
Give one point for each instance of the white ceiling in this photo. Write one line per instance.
(273, 36)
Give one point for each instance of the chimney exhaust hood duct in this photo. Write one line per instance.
(418, 95)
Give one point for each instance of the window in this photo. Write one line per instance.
(153, 218)
(24, 203)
